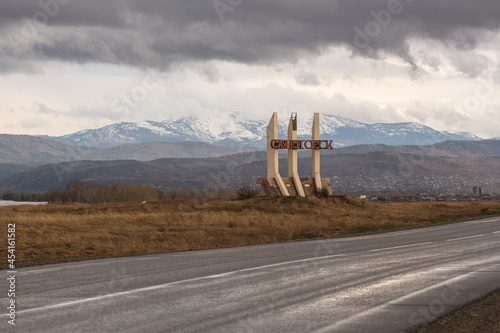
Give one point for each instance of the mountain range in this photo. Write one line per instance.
(471, 162)
(184, 152)
(234, 170)
(236, 130)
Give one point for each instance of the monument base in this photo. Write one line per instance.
(271, 188)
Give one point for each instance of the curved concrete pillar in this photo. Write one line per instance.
(292, 156)
(316, 155)
(273, 157)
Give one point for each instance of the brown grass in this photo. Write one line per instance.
(61, 232)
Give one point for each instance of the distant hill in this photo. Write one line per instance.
(35, 151)
(466, 148)
(31, 150)
(234, 170)
(444, 149)
(235, 130)
(7, 170)
(19, 153)
(168, 173)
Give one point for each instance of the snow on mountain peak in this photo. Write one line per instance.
(233, 129)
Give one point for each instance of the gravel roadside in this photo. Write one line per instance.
(478, 317)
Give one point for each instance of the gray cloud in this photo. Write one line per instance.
(162, 33)
(12, 65)
(41, 108)
(308, 79)
(470, 64)
(496, 74)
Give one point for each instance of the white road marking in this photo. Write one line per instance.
(399, 247)
(80, 264)
(397, 233)
(461, 238)
(359, 317)
(165, 285)
(483, 221)
(497, 232)
(39, 271)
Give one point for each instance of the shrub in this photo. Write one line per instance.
(247, 192)
(323, 193)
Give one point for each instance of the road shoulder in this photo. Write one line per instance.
(480, 316)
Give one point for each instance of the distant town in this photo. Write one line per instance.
(433, 188)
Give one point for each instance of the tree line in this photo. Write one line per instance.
(13, 195)
(78, 191)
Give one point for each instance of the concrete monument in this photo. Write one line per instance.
(293, 185)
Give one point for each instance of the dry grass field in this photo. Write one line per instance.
(65, 232)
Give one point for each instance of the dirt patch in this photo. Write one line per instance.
(478, 317)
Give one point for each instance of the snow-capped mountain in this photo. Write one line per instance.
(235, 130)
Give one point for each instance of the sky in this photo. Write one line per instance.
(69, 65)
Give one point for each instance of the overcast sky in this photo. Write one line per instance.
(68, 65)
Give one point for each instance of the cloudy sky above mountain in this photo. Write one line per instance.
(67, 65)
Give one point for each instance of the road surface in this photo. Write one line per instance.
(393, 282)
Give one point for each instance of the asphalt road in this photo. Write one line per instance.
(393, 282)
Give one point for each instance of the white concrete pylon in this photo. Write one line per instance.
(292, 157)
(316, 155)
(273, 157)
